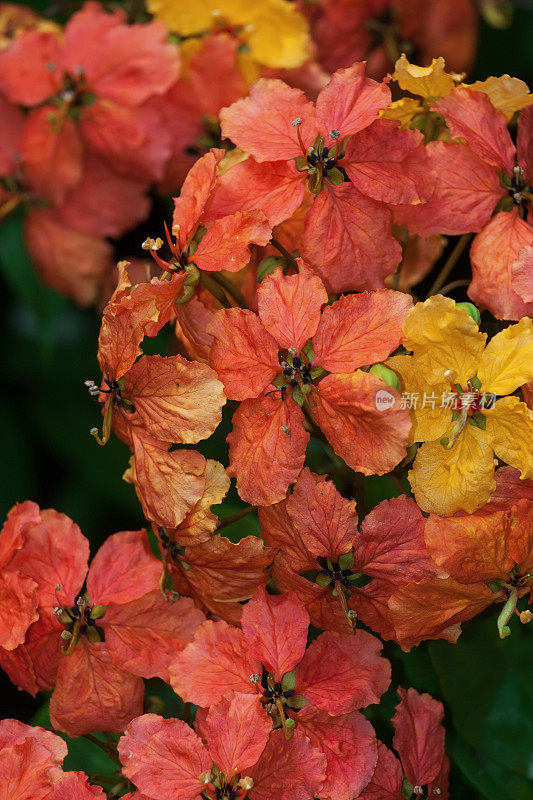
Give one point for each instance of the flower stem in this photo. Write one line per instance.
(232, 291)
(283, 251)
(243, 512)
(450, 263)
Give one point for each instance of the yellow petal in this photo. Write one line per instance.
(507, 362)
(506, 93)
(510, 430)
(403, 111)
(443, 337)
(278, 35)
(181, 17)
(429, 416)
(459, 479)
(428, 82)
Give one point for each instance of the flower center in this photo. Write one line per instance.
(79, 620)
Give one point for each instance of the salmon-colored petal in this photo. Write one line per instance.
(14, 732)
(55, 554)
(462, 180)
(522, 274)
(123, 569)
(434, 609)
(13, 534)
(510, 488)
(225, 245)
(342, 232)
(391, 545)
(18, 608)
(275, 630)
(244, 354)
(521, 536)
(493, 254)
(339, 674)
(360, 329)
(280, 532)
(70, 261)
(144, 636)
(277, 189)
(26, 771)
(471, 548)
(176, 401)
(26, 78)
(104, 203)
(325, 520)
(471, 116)
(40, 654)
(350, 101)
(236, 731)
(164, 757)
(18, 667)
(293, 770)
(123, 63)
(168, 484)
(389, 164)
(349, 744)
(267, 447)
(363, 421)
(386, 782)
(524, 141)
(289, 306)
(510, 432)
(370, 603)
(74, 784)
(419, 736)
(200, 522)
(223, 573)
(133, 140)
(215, 663)
(52, 152)
(92, 694)
(261, 124)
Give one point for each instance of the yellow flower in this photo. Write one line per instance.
(274, 31)
(506, 93)
(403, 110)
(451, 382)
(429, 82)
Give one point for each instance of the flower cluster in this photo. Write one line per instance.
(284, 279)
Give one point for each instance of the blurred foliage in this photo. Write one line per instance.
(49, 350)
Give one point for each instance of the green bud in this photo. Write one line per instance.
(475, 383)
(317, 372)
(93, 635)
(386, 374)
(289, 723)
(268, 265)
(495, 586)
(323, 580)
(498, 16)
(297, 396)
(471, 310)
(407, 789)
(98, 612)
(346, 561)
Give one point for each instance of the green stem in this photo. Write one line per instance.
(454, 285)
(229, 287)
(283, 251)
(450, 263)
(108, 749)
(231, 518)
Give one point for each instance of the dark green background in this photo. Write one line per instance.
(49, 349)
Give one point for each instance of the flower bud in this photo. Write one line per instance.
(386, 374)
(471, 310)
